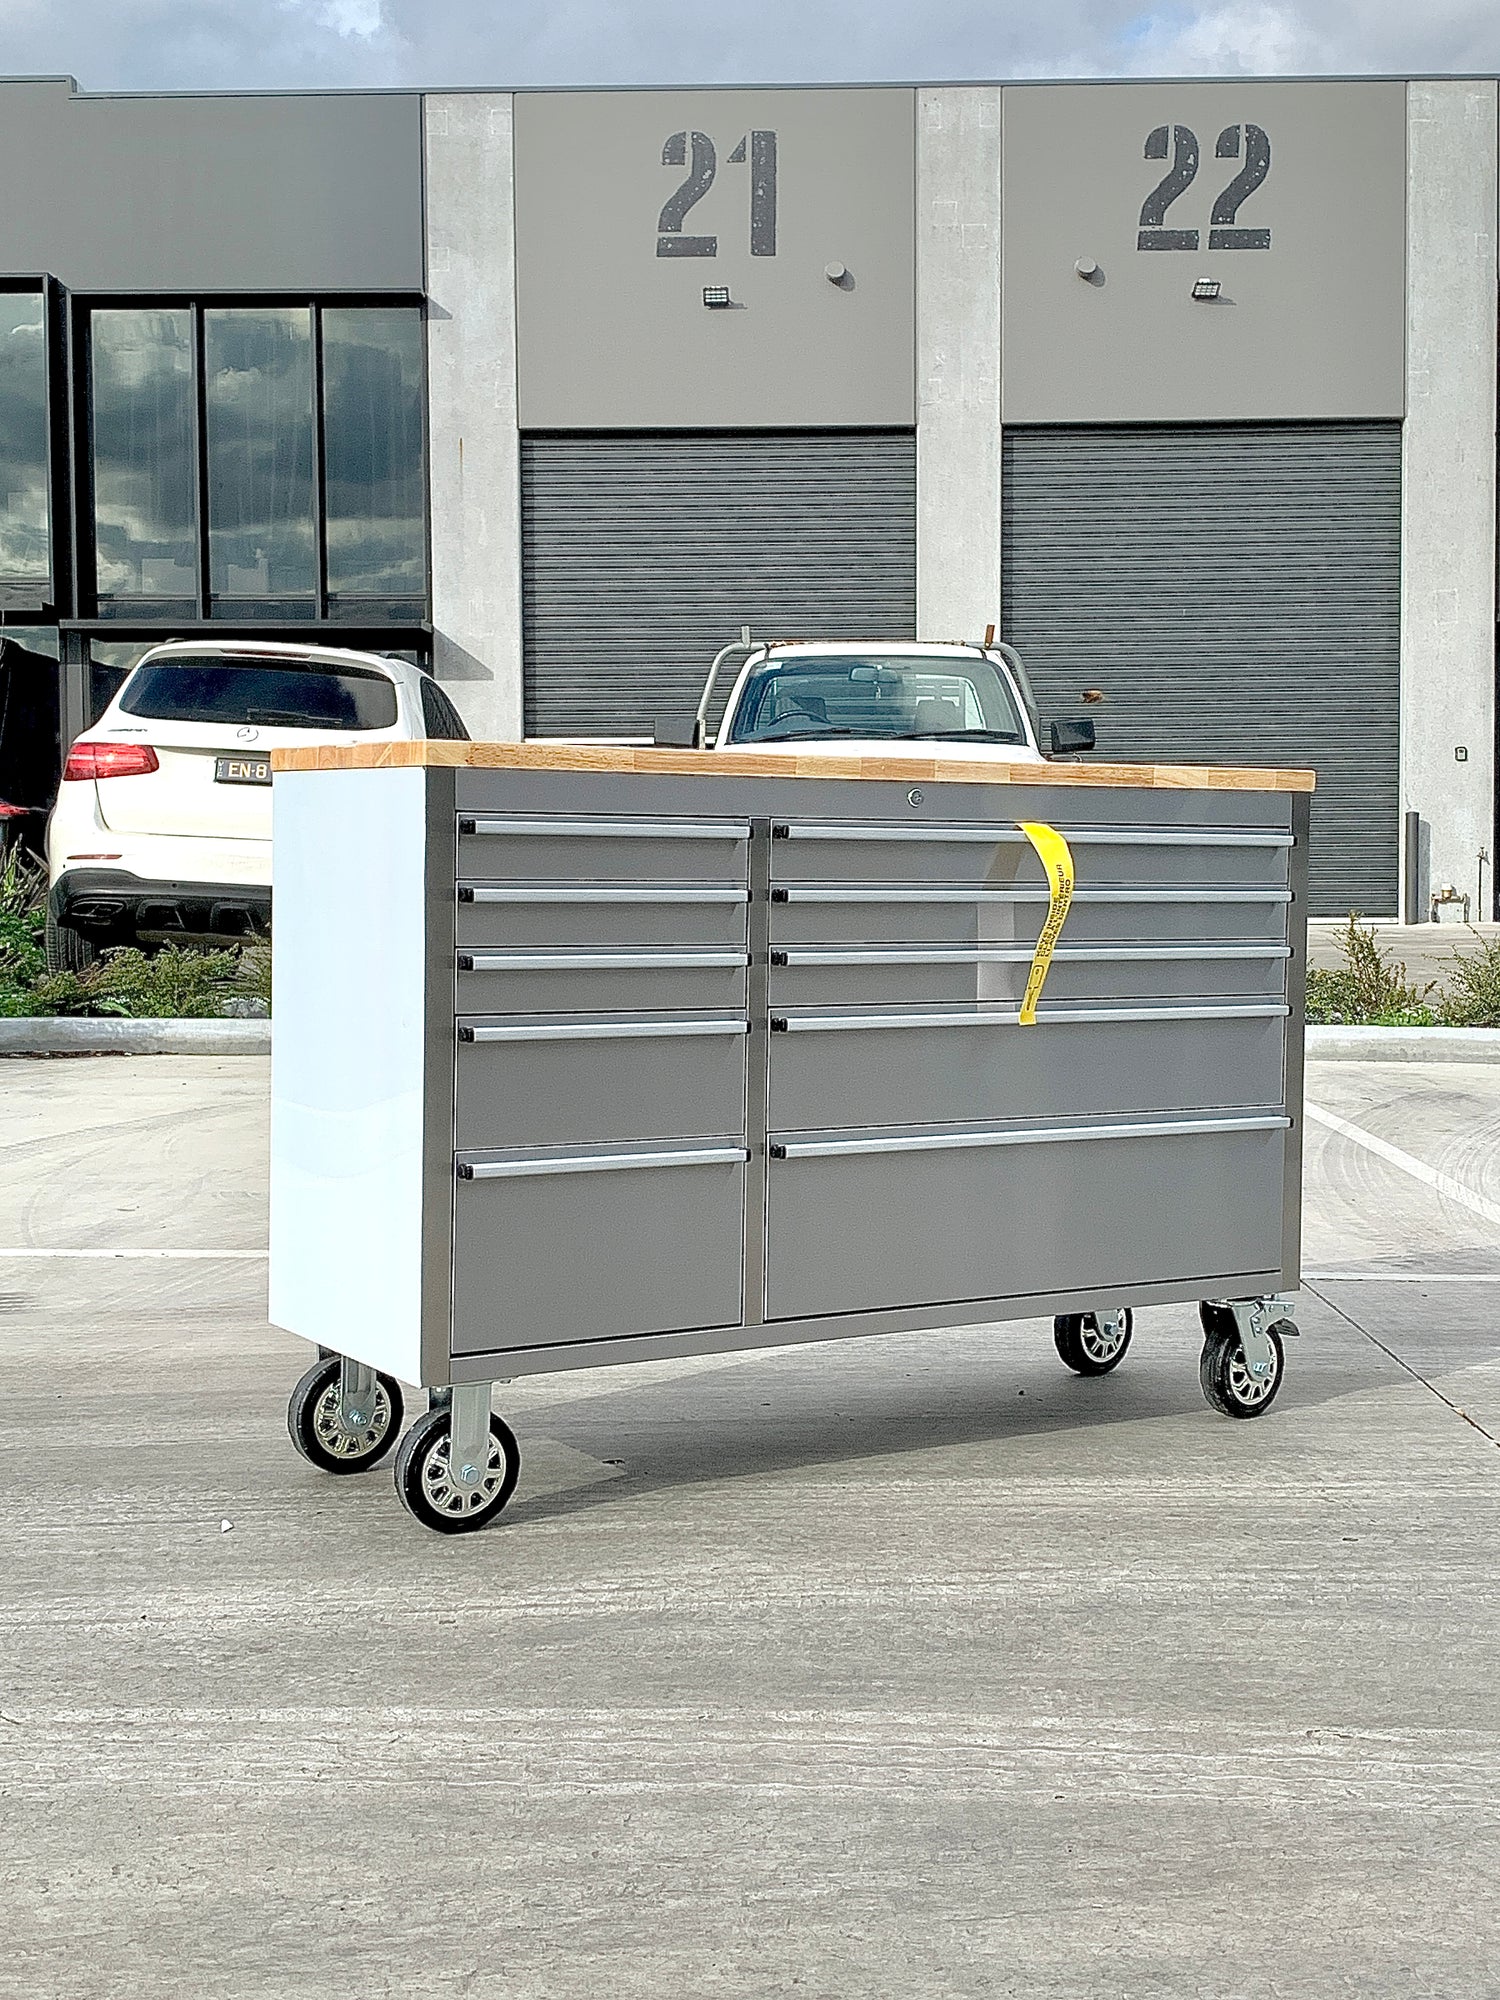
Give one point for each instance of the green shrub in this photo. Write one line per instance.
(23, 924)
(1471, 997)
(1369, 989)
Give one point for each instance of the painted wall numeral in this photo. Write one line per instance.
(695, 150)
(670, 241)
(1226, 209)
(1184, 171)
(1235, 141)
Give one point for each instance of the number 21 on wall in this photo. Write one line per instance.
(1223, 234)
(695, 151)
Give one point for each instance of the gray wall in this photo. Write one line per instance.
(474, 447)
(211, 193)
(958, 361)
(614, 335)
(1309, 326)
(1448, 480)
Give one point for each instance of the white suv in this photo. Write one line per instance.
(163, 818)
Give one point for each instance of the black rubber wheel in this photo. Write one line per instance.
(1226, 1378)
(68, 950)
(430, 1493)
(1093, 1343)
(1216, 1319)
(313, 1423)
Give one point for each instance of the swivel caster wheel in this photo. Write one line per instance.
(338, 1438)
(1229, 1382)
(1093, 1343)
(437, 1493)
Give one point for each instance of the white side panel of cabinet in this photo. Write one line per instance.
(349, 855)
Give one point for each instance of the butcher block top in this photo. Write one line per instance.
(801, 763)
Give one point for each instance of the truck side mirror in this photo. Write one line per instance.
(1068, 738)
(677, 732)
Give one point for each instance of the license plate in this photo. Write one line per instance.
(242, 770)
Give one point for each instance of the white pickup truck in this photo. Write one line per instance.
(885, 698)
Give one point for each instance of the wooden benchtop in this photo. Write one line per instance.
(788, 763)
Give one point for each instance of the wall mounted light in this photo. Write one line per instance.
(1087, 268)
(840, 275)
(716, 296)
(1206, 288)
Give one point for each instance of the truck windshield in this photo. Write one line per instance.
(893, 695)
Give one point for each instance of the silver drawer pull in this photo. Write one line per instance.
(594, 1031)
(1054, 1017)
(1020, 954)
(607, 829)
(598, 961)
(485, 892)
(599, 1163)
(938, 1142)
(917, 892)
(1076, 836)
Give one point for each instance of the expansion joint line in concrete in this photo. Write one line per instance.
(1415, 1373)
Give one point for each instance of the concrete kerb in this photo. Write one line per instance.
(72, 1036)
(58, 1036)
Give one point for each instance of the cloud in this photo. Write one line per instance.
(230, 44)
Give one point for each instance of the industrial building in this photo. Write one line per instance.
(1189, 388)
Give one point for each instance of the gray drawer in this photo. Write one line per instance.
(552, 1251)
(860, 1231)
(1003, 857)
(828, 914)
(501, 914)
(531, 848)
(846, 977)
(608, 980)
(829, 1071)
(561, 1083)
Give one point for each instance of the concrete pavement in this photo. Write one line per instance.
(914, 1665)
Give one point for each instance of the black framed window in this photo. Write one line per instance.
(145, 481)
(25, 484)
(257, 462)
(262, 504)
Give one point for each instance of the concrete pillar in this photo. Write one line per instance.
(473, 442)
(1448, 519)
(958, 362)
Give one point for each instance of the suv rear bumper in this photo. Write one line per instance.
(110, 905)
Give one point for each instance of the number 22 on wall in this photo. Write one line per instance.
(695, 151)
(1223, 233)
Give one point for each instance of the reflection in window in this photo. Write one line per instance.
(261, 532)
(372, 454)
(145, 511)
(24, 541)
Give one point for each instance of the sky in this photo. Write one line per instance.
(297, 44)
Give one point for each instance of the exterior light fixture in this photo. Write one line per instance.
(1206, 288)
(716, 296)
(1087, 268)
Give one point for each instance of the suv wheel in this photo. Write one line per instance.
(68, 950)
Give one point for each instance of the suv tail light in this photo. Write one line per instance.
(110, 760)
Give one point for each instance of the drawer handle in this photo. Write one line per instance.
(484, 892)
(1080, 836)
(1054, 1017)
(598, 961)
(608, 829)
(938, 1142)
(1021, 954)
(599, 1163)
(594, 1031)
(896, 892)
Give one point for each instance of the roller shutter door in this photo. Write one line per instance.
(643, 555)
(1236, 593)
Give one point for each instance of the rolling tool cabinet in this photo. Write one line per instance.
(597, 1055)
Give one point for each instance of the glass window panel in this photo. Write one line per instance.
(145, 493)
(24, 539)
(374, 490)
(258, 385)
(110, 660)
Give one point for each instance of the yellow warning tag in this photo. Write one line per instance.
(1055, 857)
